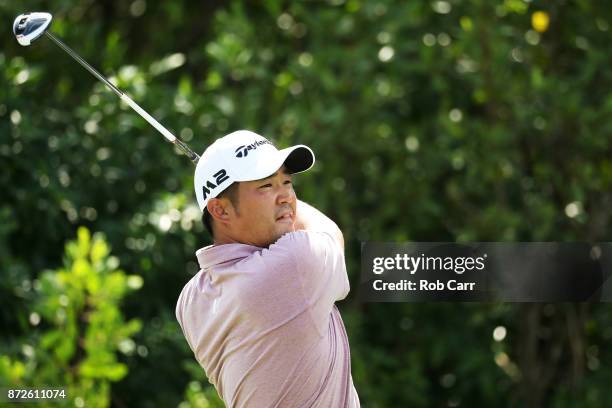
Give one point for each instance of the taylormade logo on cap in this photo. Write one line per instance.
(242, 151)
(244, 156)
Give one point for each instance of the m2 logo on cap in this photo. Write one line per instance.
(220, 177)
(243, 151)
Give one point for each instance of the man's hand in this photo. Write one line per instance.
(310, 219)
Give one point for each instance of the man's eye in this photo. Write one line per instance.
(287, 181)
(266, 185)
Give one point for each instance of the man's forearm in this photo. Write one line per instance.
(309, 218)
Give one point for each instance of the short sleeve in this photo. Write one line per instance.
(179, 310)
(320, 269)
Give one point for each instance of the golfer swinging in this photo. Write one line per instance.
(260, 315)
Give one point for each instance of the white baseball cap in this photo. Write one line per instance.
(244, 156)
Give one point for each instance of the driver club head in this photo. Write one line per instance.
(29, 26)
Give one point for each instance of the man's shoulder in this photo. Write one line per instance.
(283, 256)
(303, 239)
(301, 248)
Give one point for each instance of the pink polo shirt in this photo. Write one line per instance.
(263, 324)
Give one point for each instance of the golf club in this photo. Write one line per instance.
(29, 27)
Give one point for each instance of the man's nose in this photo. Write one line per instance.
(286, 194)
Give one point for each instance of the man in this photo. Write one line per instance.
(260, 315)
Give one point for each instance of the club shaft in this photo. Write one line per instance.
(84, 63)
(152, 121)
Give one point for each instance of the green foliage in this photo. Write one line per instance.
(81, 326)
(449, 120)
(198, 397)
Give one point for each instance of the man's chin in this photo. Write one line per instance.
(284, 229)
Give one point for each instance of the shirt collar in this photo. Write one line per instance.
(214, 255)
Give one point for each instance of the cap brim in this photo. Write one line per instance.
(296, 159)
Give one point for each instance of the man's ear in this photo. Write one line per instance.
(217, 208)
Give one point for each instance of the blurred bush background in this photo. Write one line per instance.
(456, 120)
